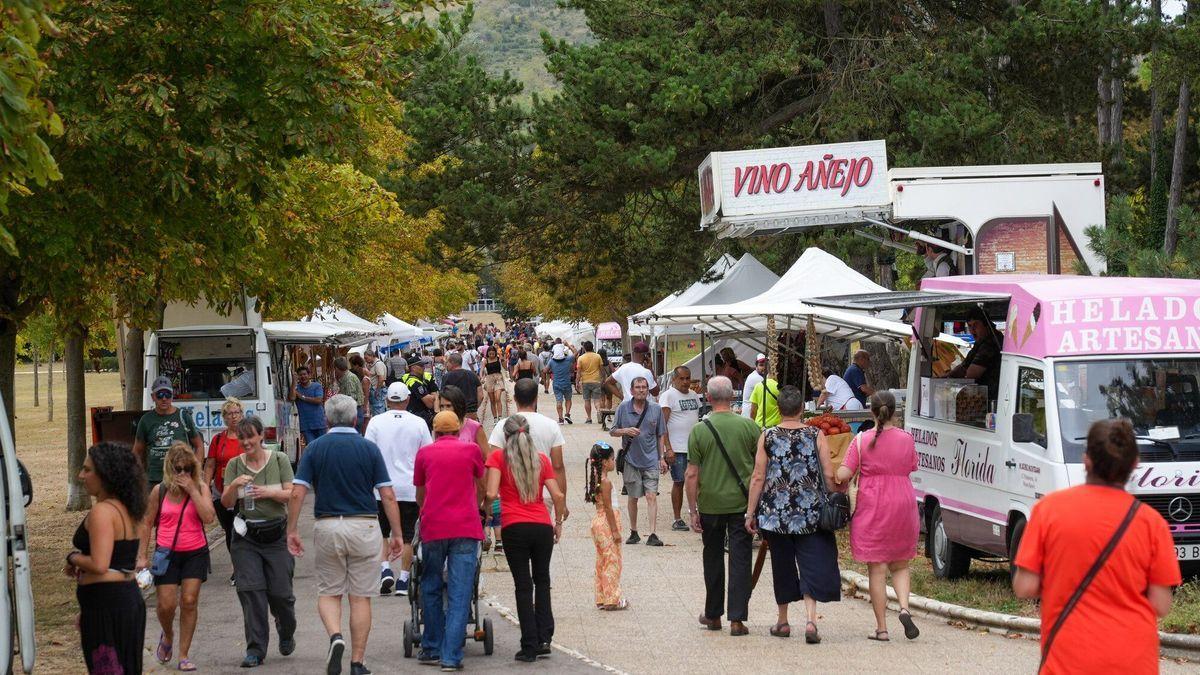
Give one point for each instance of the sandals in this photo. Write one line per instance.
(163, 651)
(812, 637)
(877, 637)
(186, 665)
(910, 629)
(620, 605)
(781, 630)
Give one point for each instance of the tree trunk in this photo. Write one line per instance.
(36, 366)
(50, 389)
(1116, 131)
(1170, 237)
(1156, 112)
(134, 354)
(1103, 106)
(77, 496)
(8, 365)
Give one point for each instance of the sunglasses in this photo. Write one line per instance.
(183, 469)
(160, 395)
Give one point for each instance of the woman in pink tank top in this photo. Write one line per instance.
(452, 398)
(179, 509)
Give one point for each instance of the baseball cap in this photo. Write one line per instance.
(640, 347)
(397, 392)
(161, 383)
(445, 422)
(760, 358)
(560, 352)
(415, 360)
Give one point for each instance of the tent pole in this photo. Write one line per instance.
(703, 371)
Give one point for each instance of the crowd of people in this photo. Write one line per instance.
(402, 443)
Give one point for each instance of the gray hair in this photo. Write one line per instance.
(341, 411)
(720, 388)
(634, 381)
(455, 359)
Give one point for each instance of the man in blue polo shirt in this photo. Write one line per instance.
(856, 376)
(309, 396)
(344, 469)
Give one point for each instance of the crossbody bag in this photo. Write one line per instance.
(728, 462)
(626, 441)
(161, 561)
(1088, 579)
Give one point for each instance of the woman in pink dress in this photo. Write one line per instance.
(884, 529)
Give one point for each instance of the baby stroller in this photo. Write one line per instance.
(414, 627)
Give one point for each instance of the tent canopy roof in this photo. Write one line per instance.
(741, 279)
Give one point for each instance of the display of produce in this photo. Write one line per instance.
(830, 424)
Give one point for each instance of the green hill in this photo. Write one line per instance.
(507, 36)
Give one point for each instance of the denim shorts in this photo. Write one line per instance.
(562, 393)
(679, 467)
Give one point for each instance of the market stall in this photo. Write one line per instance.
(728, 280)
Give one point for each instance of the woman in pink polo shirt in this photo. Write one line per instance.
(447, 474)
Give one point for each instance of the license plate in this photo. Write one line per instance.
(1187, 552)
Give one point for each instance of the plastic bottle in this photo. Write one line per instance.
(247, 497)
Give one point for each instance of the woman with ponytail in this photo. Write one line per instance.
(606, 527)
(516, 474)
(885, 526)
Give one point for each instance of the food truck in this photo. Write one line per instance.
(608, 338)
(1073, 350)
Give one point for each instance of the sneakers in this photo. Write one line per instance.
(679, 526)
(287, 646)
(447, 668)
(333, 659)
(358, 669)
(428, 658)
(568, 418)
(653, 540)
(544, 650)
(633, 538)
(588, 421)
(387, 582)
(525, 657)
(402, 587)
(252, 661)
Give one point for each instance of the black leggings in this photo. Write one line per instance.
(528, 546)
(112, 626)
(225, 518)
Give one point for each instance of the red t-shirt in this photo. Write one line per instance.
(512, 509)
(448, 469)
(1067, 530)
(222, 448)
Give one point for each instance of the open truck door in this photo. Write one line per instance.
(16, 596)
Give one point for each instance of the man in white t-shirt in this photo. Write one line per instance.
(470, 359)
(757, 375)
(838, 394)
(399, 434)
(545, 432)
(627, 373)
(681, 410)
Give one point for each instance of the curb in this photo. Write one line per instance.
(511, 616)
(1172, 644)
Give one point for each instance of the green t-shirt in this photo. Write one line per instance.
(158, 432)
(719, 491)
(766, 397)
(276, 472)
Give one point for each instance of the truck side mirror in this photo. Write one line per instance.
(1022, 429)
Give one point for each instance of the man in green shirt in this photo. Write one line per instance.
(718, 503)
(157, 429)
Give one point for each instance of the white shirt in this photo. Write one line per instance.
(840, 395)
(241, 386)
(379, 371)
(470, 359)
(752, 380)
(627, 373)
(399, 434)
(545, 432)
(685, 414)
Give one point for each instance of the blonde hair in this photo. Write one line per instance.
(522, 459)
(231, 401)
(179, 451)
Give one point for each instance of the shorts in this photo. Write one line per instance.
(185, 565)
(347, 556)
(562, 393)
(641, 482)
(679, 467)
(493, 382)
(591, 391)
(408, 520)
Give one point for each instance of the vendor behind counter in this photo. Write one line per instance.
(982, 363)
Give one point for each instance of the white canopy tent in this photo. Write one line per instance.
(742, 279)
(572, 332)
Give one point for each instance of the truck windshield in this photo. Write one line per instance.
(209, 367)
(1161, 397)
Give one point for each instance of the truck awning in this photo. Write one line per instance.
(882, 302)
(205, 331)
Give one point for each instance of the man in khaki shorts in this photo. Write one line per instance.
(344, 469)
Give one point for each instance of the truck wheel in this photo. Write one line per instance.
(949, 560)
(1014, 545)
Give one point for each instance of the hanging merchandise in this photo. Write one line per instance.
(813, 354)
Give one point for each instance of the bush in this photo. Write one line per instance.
(107, 363)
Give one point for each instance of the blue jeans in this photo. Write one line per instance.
(311, 435)
(446, 628)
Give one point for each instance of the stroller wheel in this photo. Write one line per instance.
(408, 641)
(488, 637)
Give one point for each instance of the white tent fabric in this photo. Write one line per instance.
(816, 273)
(742, 279)
(745, 353)
(402, 331)
(572, 332)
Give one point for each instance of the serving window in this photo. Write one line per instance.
(961, 384)
(198, 366)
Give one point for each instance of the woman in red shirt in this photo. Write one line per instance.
(517, 475)
(1067, 530)
(223, 447)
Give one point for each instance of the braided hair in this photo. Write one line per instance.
(594, 467)
(883, 407)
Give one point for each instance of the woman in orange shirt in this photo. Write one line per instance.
(1114, 626)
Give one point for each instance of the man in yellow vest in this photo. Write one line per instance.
(422, 389)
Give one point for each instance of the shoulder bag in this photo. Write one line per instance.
(161, 560)
(834, 513)
(623, 453)
(1087, 580)
(729, 462)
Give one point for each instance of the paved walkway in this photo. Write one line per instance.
(658, 633)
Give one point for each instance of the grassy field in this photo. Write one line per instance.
(41, 445)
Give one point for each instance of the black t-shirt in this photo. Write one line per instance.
(986, 354)
(418, 388)
(468, 382)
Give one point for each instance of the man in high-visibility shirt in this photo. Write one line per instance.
(764, 403)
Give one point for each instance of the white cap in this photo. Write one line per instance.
(760, 357)
(560, 352)
(397, 392)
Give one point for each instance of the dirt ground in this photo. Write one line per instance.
(41, 445)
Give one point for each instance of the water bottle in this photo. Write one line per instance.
(248, 498)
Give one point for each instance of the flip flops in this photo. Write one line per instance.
(187, 666)
(620, 605)
(910, 629)
(163, 651)
(877, 637)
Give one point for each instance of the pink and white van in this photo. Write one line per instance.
(1074, 349)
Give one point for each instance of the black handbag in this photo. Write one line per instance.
(835, 511)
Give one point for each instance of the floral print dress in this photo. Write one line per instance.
(791, 496)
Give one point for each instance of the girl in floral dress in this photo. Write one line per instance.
(606, 528)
